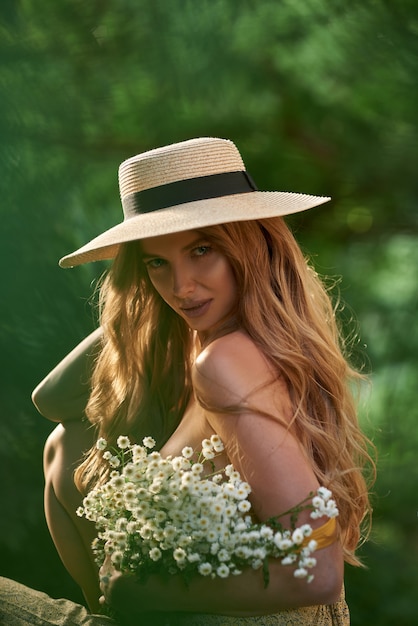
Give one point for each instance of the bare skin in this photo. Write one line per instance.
(62, 395)
(197, 282)
(272, 461)
(72, 535)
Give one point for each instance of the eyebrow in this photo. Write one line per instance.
(189, 246)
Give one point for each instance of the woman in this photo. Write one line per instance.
(212, 322)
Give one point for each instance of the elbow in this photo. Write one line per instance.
(38, 398)
(56, 404)
(329, 590)
(328, 579)
(41, 398)
(289, 592)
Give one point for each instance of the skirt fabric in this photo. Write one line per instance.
(22, 606)
(322, 615)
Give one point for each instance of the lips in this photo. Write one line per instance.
(196, 309)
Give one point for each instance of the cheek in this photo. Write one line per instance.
(233, 290)
(160, 287)
(229, 283)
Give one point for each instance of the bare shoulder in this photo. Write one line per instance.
(234, 350)
(231, 369)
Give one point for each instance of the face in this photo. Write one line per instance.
(193, 277)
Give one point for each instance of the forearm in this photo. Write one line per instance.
(72, 535)
(242, 595)
(62, 395)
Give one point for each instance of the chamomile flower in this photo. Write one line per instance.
(169, 531)
(217, 443)
(208, 454)
(155, 554)
(180, 463)
(289, 559)
(223, 555)
(197, 468)
(324, 493)
(244, 506)
(266, 532)
(117, 557)
(223, 571)
(187, 452)
(138, 453)
(204, 522)
(179, 554)
(306, 529)
(298, 536)
(160, 516)
(117, 482)
(212, 536)
(300, 572)
(205, 569)
(123, 442)
(230, 510)
(282, 543)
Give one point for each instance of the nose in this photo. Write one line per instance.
(183, 282)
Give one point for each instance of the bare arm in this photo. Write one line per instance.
(242, 595)
(72, 535)
(62, 395)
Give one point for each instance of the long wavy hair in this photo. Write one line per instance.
(141, 384)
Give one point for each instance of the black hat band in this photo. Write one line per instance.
(189, 190)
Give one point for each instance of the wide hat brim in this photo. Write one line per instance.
(192, 216)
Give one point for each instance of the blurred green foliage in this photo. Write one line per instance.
(320, 97)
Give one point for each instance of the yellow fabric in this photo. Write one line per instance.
(325, 535)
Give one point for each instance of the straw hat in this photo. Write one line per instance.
(186, 186)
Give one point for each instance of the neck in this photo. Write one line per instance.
(225, 327)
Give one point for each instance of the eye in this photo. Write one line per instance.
(201, 250)
(154, 264)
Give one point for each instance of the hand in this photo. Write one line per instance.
(125, 595)
(107, 576)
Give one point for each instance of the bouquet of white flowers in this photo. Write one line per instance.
(178, 515)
